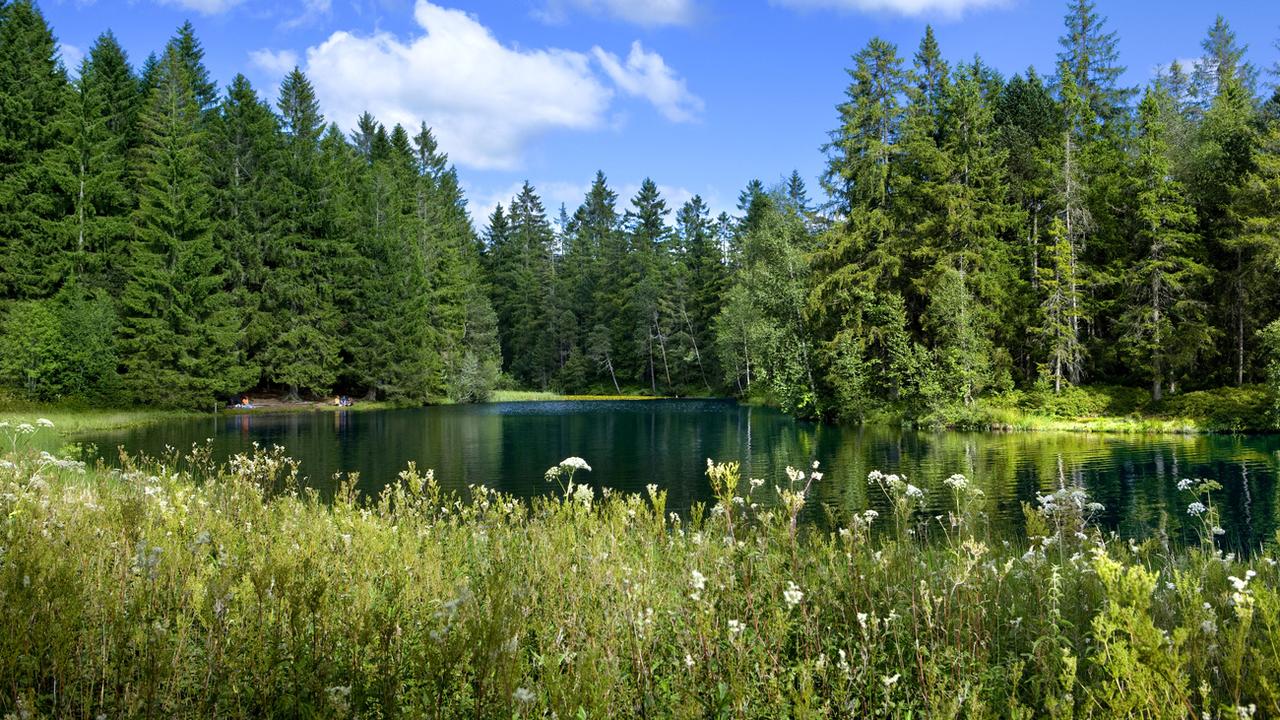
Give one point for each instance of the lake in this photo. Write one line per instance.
(629, 444)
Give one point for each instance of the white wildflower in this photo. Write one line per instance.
(1196, 509)
(575, 463)
(688, 661)
(1185, 484)
(697, 580)
(522, 695)
(735, 627)
(793, 595)
(889, 681)
(44, 422)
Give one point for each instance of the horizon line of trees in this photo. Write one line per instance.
(170, 244)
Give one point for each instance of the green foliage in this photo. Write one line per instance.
(232, 592)
(59, 348)
(178, 329)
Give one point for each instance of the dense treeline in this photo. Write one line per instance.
(981, 233)
(164, 243)
(978, 233)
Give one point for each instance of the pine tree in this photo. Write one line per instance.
(244, 168)
(1090, 56)
(856, 262)
(1255, 208)
(1223, 60)
(648, 235)
(105, 135)
(708, 279)
(1224, 155)
(968, 278)
(1165, 318)
(179, 329)
(301, 348)
(35, 129)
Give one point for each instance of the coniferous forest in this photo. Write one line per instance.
(165, 241)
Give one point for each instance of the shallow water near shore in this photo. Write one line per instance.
(508, 446)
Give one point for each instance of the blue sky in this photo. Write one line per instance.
(700, 95)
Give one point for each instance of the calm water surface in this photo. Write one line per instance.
(508, 446)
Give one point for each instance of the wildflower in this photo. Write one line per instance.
(575, 463)
(1196, 509)
(914, 492)
(756, 483)
(1185, 484)
(688, 661)
(862, 620)
(890, 681)
(652, 488)
(956, 482)
(793, 595)
(698, 580)
(1218, 530)
(44, 422)
(522, 695)
(843, 664)
(870, 515)
(584, 494)
(735, 627)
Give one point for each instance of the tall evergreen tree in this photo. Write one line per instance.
(105, 135)
(1165, 317)
(1090, 56)
(301, 348)
(35, 129)
(179, 331)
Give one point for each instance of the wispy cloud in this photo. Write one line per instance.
(645, 74)
(915, 8)
(648, 13)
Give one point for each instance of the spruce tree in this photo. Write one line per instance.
(301, 348)
(108, 101)
(244, 167)
(1090, 56)
(36, 124)
(179, 329)
(1165, 316)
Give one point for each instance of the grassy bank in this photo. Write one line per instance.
(172, 589)
(74, 420)
(536, 396)
(1115, 410)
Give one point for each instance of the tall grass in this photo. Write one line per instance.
(174, 588)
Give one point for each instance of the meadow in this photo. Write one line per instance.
(174, 587)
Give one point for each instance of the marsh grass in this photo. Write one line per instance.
(177, 588)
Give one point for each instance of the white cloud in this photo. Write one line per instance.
(204, 7)
(647, 75)
(275, 62)
(945, 8)
(486, 101)
(72, 56)
(312, 10)
(649, 13)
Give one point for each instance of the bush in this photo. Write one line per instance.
(1226, 408)
(59, 348)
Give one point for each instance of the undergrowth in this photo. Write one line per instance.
(176, 588)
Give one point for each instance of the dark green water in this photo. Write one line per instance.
(508, 446)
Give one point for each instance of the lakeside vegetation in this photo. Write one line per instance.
(978, 236)
(174, 588)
